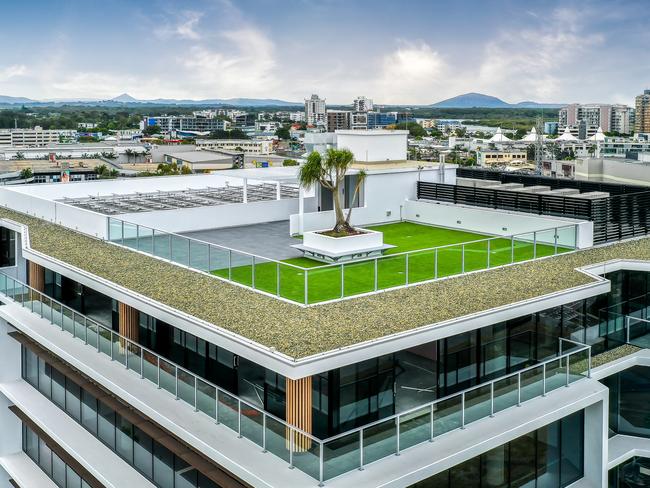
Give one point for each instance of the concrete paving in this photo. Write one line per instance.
(269, 240)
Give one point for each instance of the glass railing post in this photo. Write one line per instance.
(406, 261)
(575, 236)
(435, 264)
(488, 253)
(263, 431)
(176, 380)
(98, 333)
(397, 430)
(462, 410)
(291, 448)
(253, 273)
(122, 237)
(126, 353)
(239, 418)
(462, 259)
(306, 286)
(492, 399)
(141, 363)
(589, 362)
(361, 450)
(277, 279)
(216, 405)
(431, 423)
(342, 280)
(534, 244)
(555, 242)
(544, 379)
(85, 327)
(158, 371)
(567, 371)
(376, 277)
(189, 253)
(110, 336)
(196, 405)
(519, 389)
(512, 249)
(230, 264)
(321, 470)
(627, 329)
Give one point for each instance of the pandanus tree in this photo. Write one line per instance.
(329, 172)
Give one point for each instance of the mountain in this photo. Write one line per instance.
(478, 100)
(124, 98)
(6, 99)
(471, 100)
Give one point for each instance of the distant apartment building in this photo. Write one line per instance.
(315, 112)
(247, 146)
(267, 126)
(86, 125)
(642, 113)
(359, 121)
(448, 124)
(362, 104)
(36, 137)
(427, 123)
(338, 119)
(378, 120)
(297, 116)
(610, 118)
(186, 123)
(551, 128)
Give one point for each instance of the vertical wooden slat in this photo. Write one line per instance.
(299, 410)
(36, 276)
(128, 322)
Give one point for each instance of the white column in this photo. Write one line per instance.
(245, 186)
(301, 209)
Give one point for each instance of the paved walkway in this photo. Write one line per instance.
(269, 240)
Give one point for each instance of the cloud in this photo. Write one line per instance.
(187, 28)
(539, 62)
(243, 65)
(13, 71)
(410, 74)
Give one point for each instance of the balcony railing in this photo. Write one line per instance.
(320, 459)
(328, 282)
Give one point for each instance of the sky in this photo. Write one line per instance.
(395, 52)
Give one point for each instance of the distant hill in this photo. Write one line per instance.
(11, 100)
(126, 99)
(479, 100)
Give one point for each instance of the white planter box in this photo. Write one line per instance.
(337, 246)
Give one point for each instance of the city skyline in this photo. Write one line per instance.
(221, 49)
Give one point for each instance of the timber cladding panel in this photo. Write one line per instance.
(299, 411)
(36, 276)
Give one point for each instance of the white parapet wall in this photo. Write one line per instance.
(499, 222)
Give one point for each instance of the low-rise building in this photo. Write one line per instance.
(501, 158)
(36, 137)
(201, 160)
(247, 146)
(338, 120)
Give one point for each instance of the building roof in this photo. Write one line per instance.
(566, 135)
(531, 136)
(499, 136)
(200, 156)
(304, 331)
(598, 136)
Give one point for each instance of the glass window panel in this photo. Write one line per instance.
(572, 432)
(163, 467)
(142, 452)
(184, 475)
(106, 425)
(124, 438)
(73, 400)
(73, 479)
(58, 470)
(58, 388)
(89, 412)
(44, 457)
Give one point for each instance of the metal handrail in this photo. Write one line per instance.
(126, 344)
(628, 319)
(584, 347)
(304, 297)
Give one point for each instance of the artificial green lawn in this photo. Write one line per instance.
(332, 282)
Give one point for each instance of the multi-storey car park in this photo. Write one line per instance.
(164, 332)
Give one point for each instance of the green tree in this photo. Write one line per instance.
(414, 128)
(330, 174)
(26, 173)
(228, 134)
(289, 162)
(151, 130)
(283, 133)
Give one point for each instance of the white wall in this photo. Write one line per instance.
(10, 426)
(85, 221)
(201, 218)
(384, 193)
(374, 145)
(497, 222)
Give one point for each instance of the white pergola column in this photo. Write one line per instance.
(245, 187)
(301, 209)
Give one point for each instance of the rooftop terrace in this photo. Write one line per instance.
(303, 331)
